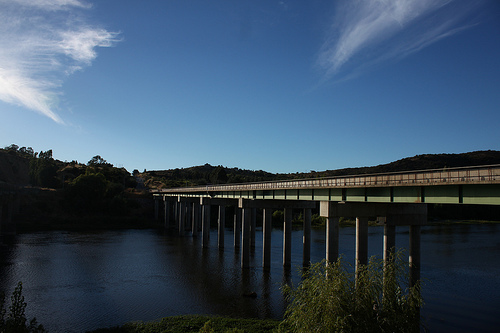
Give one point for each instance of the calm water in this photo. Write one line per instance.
(75, 282)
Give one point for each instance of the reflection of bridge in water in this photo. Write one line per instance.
(395, 199)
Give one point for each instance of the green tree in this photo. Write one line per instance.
(43, 170)
(87, 192)
(15, 320)
(218, 175)
(330, 298)
(98, 161)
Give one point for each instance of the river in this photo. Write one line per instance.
(74, 281)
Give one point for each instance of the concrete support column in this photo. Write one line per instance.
(166, 215)
(361, 241)
(287, 238)
(205, 222)
(389, 241)
(414, 254)
(253, 227)
(221, 225)
(332, 239)
(196, 218)
(266, 237)
(182, 217)
(176, 212)
(189, 216)
(237, 226)
(245, 238)
(306, 239)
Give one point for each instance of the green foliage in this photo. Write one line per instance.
(196, 324)
(15, 320)
(317, 220)
(331, 299)
(98, 161)
(218, 175)
(277, 218)
(43, 170)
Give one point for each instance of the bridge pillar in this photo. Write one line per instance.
(306, 239)
(176, 212)
(182, 217)
(196, 218)
(237, 226)
(414, 254)
(166, 215)
(361, 241)
(221, 225)
(245, 237)
(266, 237)
(189, 216)
(389, 240)
(287, 238)
(253, 227)
(332, 231)
(205, 222)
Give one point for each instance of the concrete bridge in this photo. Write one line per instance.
(396, 199)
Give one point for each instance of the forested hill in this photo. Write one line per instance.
(208, 174)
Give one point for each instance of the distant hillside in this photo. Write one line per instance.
(424, 162)
(208, 174)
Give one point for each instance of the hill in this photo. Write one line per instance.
(14, 168)
(208, 174)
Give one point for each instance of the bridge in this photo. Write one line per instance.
(395, 199)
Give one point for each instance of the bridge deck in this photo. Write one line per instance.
(470, 185)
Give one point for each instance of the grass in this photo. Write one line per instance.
(196, 323)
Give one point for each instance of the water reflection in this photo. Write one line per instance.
(80, 281)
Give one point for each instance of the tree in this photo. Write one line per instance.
(218, 175)
(14, 321)
(333, 298)
(98, 161)
(43, 170)
(13, 147)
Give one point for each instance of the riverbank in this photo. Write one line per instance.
(196, 323)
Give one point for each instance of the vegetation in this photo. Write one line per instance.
(72, 195)
(331, 298)
(14, 321)
(195, 323)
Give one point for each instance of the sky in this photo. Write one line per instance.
(281, 86)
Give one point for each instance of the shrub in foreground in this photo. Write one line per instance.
(331, 299)
(14, 321)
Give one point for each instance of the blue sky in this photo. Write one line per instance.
(280, 86)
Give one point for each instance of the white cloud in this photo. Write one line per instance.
(42, 41)
(366, 32)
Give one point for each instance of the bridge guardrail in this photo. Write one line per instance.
(476, 174)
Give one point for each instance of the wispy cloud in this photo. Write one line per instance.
(41, 42)
(367, 32)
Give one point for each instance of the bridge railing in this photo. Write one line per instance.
(476, 174)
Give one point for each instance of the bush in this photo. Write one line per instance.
(331, 299)
(15, 320)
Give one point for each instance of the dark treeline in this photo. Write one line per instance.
(208, 174)
(70, 193)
